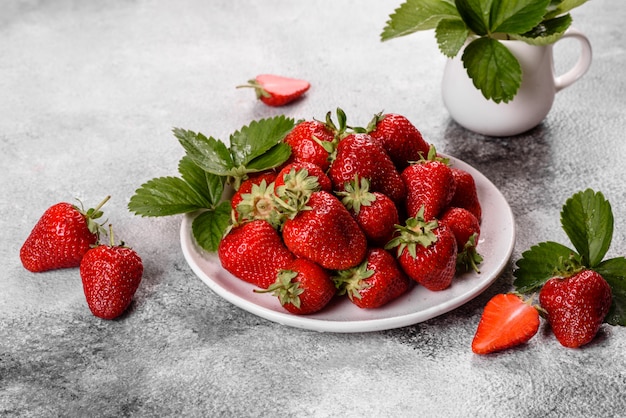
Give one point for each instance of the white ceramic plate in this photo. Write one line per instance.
(496, 245)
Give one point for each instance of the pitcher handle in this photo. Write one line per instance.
(581, 66)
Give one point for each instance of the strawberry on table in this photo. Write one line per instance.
(303, 287)
(276, 90)
(359, 154)
(400, 138)
(325, 233)
(375, 282)
(430, 185)
(507, 321)
(375, 213)
(254, 252)
(427, 252)
(576, 306)
(111, 275)
(61, 237)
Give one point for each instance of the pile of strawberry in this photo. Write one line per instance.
(67, 236)
(365, 212)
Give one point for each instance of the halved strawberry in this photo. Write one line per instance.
(276, 90)
(507, 321)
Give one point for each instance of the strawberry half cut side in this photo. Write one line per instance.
(507, 321)
(276, 90)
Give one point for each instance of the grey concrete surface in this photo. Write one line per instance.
(89, 93)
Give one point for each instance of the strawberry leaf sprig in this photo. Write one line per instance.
(208, 165)
(587, 220)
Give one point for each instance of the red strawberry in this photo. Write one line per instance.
(426, 251)
(576, 306)
(255, 199)
(303, 287)
(507, 321)
(61, 237)
(465, 194)
(325, 233)
(375, 282)
(246, 186)
(359, 154)
(399, 137)
(111, 275)
(303, 176)
(375, 213)
(309, 142)
(430, 184)
(466, 230)
(254, 252)
(275, 90)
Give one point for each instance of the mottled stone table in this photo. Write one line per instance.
(89, 93)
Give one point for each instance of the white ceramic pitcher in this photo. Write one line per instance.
(469, 108)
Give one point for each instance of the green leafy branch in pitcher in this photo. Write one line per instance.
(480, 25)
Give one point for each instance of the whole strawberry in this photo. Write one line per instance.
(375, 213)
(399, 137)
(276, 90)
(254, 252)
(375, 282)
(466, 230)
(310, 141)
(576, 306)
(465, 193)
(303, 177)
(430, 184)
(360, 155)
(303, 287)
(325, 233)
(426, 251)
(111, 275)
(61, 237)
(507, 321)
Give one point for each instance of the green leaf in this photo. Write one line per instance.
(260, 136)
(475, 14)
(558, 8)
(614, 272)
(540, 263)
(166, 196)
(274, 157)
(493, 69)
(210, 154)
(451, 35)
(547, 32)
(516, 16)
(207, 185)
(587, 219)
(418, 15)
(208, 227)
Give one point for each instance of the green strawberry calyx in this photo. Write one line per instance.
(357, 193)
(351, 281)
(92, 214)
(287, 290)
(416, 231)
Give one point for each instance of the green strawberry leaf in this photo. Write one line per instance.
(475, 14)
(418, 15)
(166, 196)
(274, 157)
(256, 139)
(493, 69)
(546, 33)
(451, 35)
(210, 154)
(208, 227)
(515, 16)
(614, 272)
(542, 262)
(561, 7)
(207, 186)
(587, 220)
